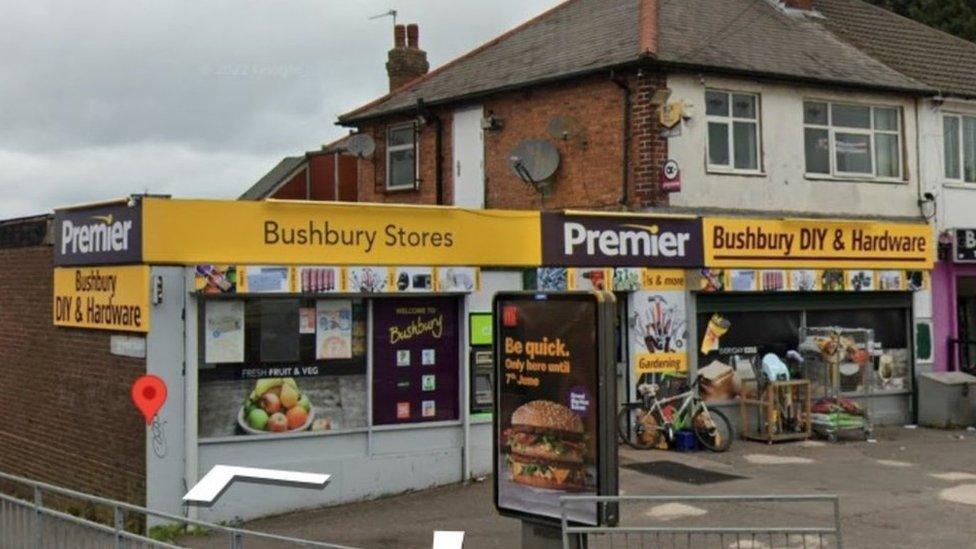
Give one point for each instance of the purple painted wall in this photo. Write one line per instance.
(944, 318)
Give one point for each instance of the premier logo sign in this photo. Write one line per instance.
(98, 236)
(620, 241)
(641, 241)
(103, 234)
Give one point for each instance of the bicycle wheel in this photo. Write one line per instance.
(636, 428)
(712, 429)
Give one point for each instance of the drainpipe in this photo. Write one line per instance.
(625, 90)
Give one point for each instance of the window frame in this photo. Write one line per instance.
(390, 149)
(961, 148)
(872, 133)
(729, 120)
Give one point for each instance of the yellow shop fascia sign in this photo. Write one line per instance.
(816, 243)
(301, 233)
(102, 298)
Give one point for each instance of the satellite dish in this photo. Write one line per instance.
(362, 145)
(535, 161)
(565, 127)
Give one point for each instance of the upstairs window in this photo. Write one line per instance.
(733, 131)
(401, 157)
(852, 140)
(959, 145)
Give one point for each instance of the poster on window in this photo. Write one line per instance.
(266, 280)
(333, 329)
(415, 360)
(658, 332)
(224, 334)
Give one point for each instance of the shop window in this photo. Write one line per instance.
(747, 334)
(849, 347)
(852, 140)
(281, 365)
(959, 145)
(874, 353)
(401, 157)
(733, 130)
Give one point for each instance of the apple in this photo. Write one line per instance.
(257, 419)
(277, 423)
(270, 402)
(304, 402)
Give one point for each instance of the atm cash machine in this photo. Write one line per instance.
(481, 361)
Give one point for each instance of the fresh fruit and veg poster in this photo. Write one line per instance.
(276, 405)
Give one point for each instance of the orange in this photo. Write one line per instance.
(297, 417)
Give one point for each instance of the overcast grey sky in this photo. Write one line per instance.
(100, 99)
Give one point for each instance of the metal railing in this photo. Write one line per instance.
(734, 537)
(32, 523)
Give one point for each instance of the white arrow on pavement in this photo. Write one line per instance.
(448, 540)
(220, 477)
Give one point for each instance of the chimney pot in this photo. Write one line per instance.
(413, 36)
(406, 61)
(805, 5)
(399, 36)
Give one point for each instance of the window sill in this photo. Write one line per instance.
(741, 173)
(853, 179)
(282, 436)
(417, 425)
(961, 185)
(401, 190)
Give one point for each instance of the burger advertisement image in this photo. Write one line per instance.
(553, 405)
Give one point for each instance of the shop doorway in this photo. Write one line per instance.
(964, 351)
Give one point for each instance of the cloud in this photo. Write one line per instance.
(38, 182)
(94, 93)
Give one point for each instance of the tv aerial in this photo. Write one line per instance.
(361, 144)
(535, 162)
(390, 13)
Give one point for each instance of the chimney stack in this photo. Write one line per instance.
(406, 61)
(804, 5)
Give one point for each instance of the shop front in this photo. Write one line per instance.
(954, 302)
(841, 294)
(319, 337)
(357, 339)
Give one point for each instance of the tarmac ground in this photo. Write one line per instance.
(907, 488)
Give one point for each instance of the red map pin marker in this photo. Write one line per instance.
(149, 394)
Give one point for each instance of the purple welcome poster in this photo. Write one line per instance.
(415, 360)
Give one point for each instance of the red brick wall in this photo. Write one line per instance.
(372, 172)
(649, 151)
(590, 175)
(65, 413)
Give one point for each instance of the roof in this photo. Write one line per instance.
(929, 55)
(585, 36)
(270, 181)
(576, 36)
(754, 36)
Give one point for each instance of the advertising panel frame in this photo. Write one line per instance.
(604, 380)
